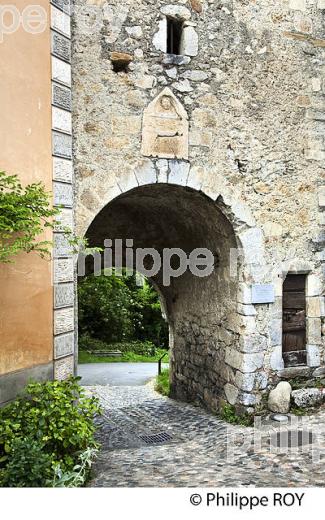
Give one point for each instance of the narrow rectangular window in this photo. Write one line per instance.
(294, 320)
(174, 35)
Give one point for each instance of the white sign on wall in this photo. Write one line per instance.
(263, 293)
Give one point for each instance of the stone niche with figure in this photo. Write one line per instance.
(165, 128)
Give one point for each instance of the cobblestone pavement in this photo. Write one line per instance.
(189, 446)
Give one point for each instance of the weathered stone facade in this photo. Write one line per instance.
(250, 80)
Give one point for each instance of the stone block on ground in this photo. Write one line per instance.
(307, 397)
(279, 398)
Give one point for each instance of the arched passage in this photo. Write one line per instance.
(202, 312)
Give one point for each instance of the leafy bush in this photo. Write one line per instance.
(28, 466)
(113, 309)
(24, 212)
(105, 309)
(79, 473)
(162, 383)
(86, 342)
(126, 357)
(143, 348)
(57, 420)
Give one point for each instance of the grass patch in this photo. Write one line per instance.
(229, 414)
(162, 383)
(127, 357)
(301, 411)
(298, 384)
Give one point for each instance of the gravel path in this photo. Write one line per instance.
(151, 441)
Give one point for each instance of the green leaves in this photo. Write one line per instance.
(24, 213)
(104, 308)
(28, 466)
(78, 475)
(113, 309)
(57, 419)
(162, 383)
(229, 414)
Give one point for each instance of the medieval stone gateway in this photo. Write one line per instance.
(207, 147)
(191, 125)
(208, 327)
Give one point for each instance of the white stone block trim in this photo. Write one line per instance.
(63, 320)
(61, 71)
(60, 21)
(63, 368)
(62, 170)
(63, 268)
(313, 356)
(65, 220)
(61, 120)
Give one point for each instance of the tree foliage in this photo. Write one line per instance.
(104, 308)
(149, 325)
(24, 213)
(113, 309)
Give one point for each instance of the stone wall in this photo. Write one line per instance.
(250, 82)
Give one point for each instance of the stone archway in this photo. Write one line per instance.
(214, 353)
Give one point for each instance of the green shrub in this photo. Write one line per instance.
(143, 348)
(126, 357)
(113, 309)
(105, 308)
(86, 342)
(56, 418)
(25, 213)
(79, 473)
(162, 383)
(28, 466)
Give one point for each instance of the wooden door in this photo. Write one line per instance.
(294, 320)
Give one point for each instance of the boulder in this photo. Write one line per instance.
(279, 398)
(307, 397)
(319, 372)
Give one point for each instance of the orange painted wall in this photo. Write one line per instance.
(26, 294)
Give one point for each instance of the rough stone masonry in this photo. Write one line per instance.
(200, 123)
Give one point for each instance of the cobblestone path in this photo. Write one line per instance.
(151, 441)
